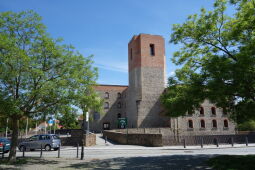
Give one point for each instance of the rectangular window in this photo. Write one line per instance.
(131, 54)
(106, 126)
(152, 49)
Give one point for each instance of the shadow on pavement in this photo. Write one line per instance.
(157, 162)
(29, 161)
(108, 141)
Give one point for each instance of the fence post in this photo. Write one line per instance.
(246, 141)
(217, 142)
(232, 141)
(3, 151)
(184, 143)
(105, 139)
(77, 150)
(23, 152)
(59, 151)
(202, 143)
(41, 151)
(82, 151)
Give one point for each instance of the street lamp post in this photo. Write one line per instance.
(6, 131)
(26, 127)
(87, 120)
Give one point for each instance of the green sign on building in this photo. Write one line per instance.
(122, 123)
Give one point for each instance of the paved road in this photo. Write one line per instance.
(109, 155)
(108, 150)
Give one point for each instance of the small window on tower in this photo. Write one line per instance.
(131, 54)
(152, 49)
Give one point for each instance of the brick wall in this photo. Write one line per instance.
(110, 115)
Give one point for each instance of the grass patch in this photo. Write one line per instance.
(232, 162)
(19, 161)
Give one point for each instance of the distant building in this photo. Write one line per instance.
(139, 102)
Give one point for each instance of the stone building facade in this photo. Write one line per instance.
(139, 102)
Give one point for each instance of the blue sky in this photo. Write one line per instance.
(103, 28)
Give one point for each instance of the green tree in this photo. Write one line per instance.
(38, 74)
(68, 118)
(217, 59)
(248, 125)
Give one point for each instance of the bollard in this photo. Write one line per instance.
(23, 152)
(217, 142)
(184, 143)
(232, 141)
(41, 151)
(59, 151)
(105, 139)
(202, 143)
(3, 151)
(246, 140)
(77, 150)
(82, 152)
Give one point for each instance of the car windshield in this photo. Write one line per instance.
(55, 137)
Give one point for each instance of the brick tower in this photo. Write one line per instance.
(146, 58)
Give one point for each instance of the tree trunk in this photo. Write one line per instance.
(14, 139)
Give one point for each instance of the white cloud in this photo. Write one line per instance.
(118, 67)
(172, 73)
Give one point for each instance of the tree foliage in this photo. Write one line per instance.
(38, 74)
(217, 59)
(68, 118)
(247, 126)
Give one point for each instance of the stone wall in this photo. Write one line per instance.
(181, 123)
(109, 115)
(134, 139)
(164, 137)
(90, 140)
(146, 81)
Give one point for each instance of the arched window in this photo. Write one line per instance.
(106, 105)
(106, 95)
(213, 110)
(190, 124)
(202, 112)
(202, 123)
(119, 105)
(119, 115)
(119, 95)
(225, 123)
(214, 123)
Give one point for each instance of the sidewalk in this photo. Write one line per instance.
(100, 144)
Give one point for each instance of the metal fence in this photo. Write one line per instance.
(208, 140)
(66, 152)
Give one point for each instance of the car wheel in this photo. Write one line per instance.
(22, 148)
(47, 148)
